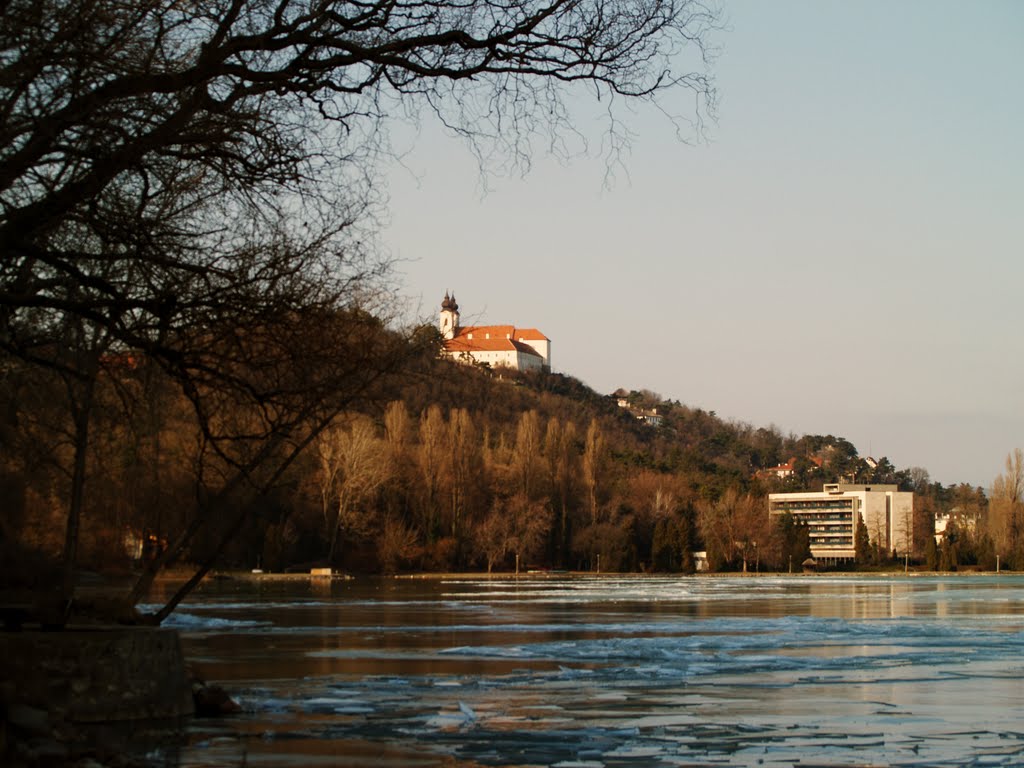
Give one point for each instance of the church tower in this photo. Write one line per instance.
(449, 321)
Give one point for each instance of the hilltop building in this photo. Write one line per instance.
(832, 517)
(523, 349)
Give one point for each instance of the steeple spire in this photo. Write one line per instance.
(448, 321)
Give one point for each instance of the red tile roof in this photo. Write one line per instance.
(530, 334)
(500, 332)
(466, 344)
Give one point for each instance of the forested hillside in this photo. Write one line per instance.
(434, 466)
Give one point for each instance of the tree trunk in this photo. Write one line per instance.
(82, 416)
(335, 533)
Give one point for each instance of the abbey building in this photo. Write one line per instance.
(524, 349)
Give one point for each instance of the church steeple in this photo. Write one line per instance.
(449, 318)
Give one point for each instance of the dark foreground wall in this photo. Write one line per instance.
(96, 675)
(58, 688)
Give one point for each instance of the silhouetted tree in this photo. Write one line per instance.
(179, 178)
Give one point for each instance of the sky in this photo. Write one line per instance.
(842, 254)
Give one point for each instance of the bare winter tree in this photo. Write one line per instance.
(166, 140)
(732, 526)
(466, 467)
(595, 457)
(1006, 510)
(433, 463)
(184, 180)
(276, 387)
(353, 466)
(526, 455)
(563, 473)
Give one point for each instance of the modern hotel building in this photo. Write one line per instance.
(832, 517)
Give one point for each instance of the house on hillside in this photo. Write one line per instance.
(961, 519)
(633, 404)
(782, 471)
(497, 346)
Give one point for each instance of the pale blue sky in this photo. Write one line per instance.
(844, 255)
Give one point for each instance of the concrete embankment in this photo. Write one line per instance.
(62, 691)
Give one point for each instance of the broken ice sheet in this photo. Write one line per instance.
(632, 671)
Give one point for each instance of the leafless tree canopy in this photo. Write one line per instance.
(146, 146)
(194, 183)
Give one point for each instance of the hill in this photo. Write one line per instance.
(434, 466)
(481, 468)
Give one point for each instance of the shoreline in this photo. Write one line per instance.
(241, 575)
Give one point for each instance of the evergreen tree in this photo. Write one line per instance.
(931, 555)
(664, 546)
(947, 556)
(986, 553)
(861, 544)
(794, 541)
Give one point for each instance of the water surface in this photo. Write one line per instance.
(604, 671)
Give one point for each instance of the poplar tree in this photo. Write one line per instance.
(594, 461)
(1006, 509)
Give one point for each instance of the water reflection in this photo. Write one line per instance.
(605, 671)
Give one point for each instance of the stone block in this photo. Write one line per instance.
(96, 675)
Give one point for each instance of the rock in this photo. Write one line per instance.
(104, 610)
(47, 752)
(29, 718)
(212, 700)
(96, 675)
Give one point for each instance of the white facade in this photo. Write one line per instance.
(504, 358)
(832, 517)
(540, 343)
(449, 321)
(505, 346)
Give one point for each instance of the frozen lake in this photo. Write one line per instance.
(605, 671)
